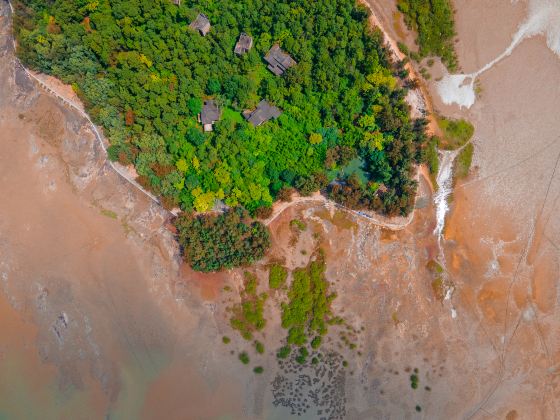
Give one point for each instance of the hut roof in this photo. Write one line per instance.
(210, 112)
(201, 24)
(244, 44)
(278, 61)
(263, 113)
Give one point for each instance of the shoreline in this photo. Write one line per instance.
(51, 90)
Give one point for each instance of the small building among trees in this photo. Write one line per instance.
(278, 61)
(262, 113)
(244, 44)
(209, 114)
(201, 24)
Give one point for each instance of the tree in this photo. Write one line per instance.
(212, 243)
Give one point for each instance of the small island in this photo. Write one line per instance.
(212, 117)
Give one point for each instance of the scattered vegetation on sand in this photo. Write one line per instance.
(456, 133)
(434, 23)
(463, 162)
(308, 308)
(439, 284)
(214, 242)
(277, 276)
(298, 224)
(247, 316)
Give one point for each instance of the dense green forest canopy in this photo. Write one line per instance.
(143, 75)
(214, 242)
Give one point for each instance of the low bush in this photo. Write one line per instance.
(277, 276)
(244, 358)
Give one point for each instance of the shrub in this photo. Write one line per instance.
(298, 224)
(316, 342)
(284, 352)
(414, 381)
(277, 276)
(258, 369)
(302, 357)
(226, 340)
(259, 347)
(244, 357)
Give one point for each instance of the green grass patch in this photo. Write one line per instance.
(431, 158)
(277, 276)
(232, 115)
(456, 133)
(109, 213)
(463, 162)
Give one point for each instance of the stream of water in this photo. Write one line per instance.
(445, 187)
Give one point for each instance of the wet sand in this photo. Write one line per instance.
(91, 318)
(501, 232)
